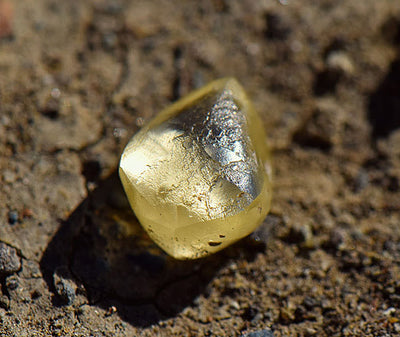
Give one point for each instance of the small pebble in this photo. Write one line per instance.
(9, 260)
(250, 313)
(12, 282)
(65, 286)
(260, 333)
(311, 331)
(339, 60)
(27, 213)
(390, 311)
(111, 310)
(310, 302)
(235, 305)
(12, 217)
(82, 310)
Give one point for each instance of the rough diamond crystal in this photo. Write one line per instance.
(198, 175)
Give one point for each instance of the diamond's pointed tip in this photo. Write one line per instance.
(231, 84)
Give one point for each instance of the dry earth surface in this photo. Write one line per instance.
(79, 78)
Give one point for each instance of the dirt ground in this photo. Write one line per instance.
(79, 78)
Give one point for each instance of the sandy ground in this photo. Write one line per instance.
(79, 78)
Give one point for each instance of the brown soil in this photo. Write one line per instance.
(78, 78)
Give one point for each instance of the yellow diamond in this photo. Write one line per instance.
(198, 175)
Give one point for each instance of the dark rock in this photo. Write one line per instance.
(12, 217)
(9, 260)
(250, 313)
(65, 286)
(12, 283)
(260, 333)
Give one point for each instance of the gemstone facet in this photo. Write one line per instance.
(198, 176)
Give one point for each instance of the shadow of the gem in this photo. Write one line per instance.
(103, 247)
(384, 103)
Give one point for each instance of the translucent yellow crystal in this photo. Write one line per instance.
(198, 175)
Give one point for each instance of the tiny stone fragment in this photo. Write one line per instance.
(198, 175)
(12, 217)
(9, 260)
(65, 286)
(12, 283)
(340, 61)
